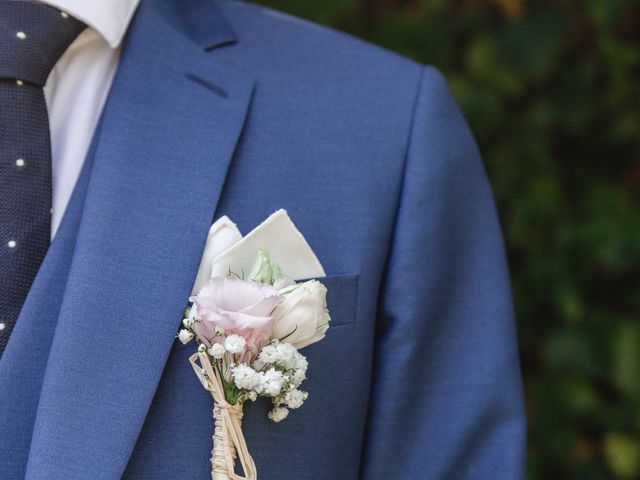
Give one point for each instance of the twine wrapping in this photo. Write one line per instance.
(228, 439)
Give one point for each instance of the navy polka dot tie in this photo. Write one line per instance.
(33, 37)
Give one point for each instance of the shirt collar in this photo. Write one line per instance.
(110, 18)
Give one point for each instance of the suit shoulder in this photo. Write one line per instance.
(281, 42)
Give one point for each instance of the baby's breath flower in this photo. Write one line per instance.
(278, 414)
(286, 355)
(270, 383)
(234, 343)
(245, 377)
(298, 377)
(217, 351)
(268, 354)
(295, 398)
(185, 336)
(300, 362)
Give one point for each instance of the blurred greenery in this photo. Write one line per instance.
(551, 90)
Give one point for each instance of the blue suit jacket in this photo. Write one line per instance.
(229, 108)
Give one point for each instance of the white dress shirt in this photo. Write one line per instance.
(78, 86)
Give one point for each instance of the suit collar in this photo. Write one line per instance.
(169, 131)
(200, 20)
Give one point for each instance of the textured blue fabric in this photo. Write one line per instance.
(418, 376)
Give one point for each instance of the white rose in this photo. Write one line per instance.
(302, 318)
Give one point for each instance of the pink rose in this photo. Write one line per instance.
(236, 306)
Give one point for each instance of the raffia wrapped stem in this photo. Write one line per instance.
(228, 440)
(218, 462)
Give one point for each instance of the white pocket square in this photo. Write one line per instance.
(227, 250)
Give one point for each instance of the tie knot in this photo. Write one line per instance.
(33, 37)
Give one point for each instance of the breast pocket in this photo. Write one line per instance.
(342, 298)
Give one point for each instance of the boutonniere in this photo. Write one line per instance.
(249, 327)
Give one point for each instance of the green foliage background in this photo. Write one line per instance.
(552, 92)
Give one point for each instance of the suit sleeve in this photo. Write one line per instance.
(446, 399)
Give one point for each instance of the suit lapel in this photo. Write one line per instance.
(169, 130)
